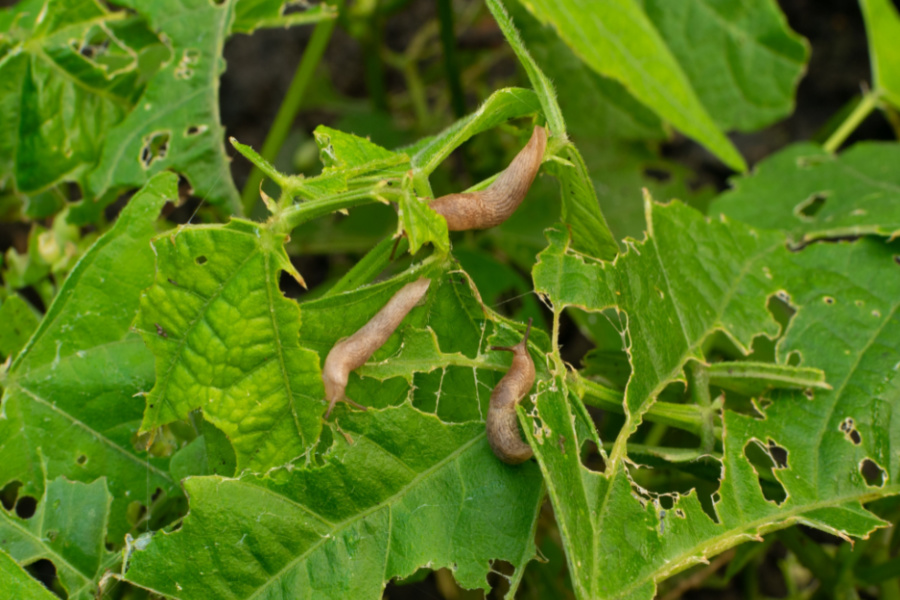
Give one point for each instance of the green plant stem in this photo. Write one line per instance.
(451, 64)
(368, 267)
(683, 416)
(290, 106)
(297, 214)
(866, 105)
(698, 381)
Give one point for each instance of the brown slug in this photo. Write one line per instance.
(353, 352)
(490, 207)
(502, 423)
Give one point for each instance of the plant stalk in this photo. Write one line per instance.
(290, 106)
(866, 105)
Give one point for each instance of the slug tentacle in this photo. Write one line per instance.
(490, 207)
(353, 352)
(502, 423)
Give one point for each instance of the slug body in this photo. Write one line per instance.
(353, 352)
(490, 207)
(502, 422)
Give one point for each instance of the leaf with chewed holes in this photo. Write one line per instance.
(175, 123)
(69, 403)
(226, 341)
(399, 490)
(810, 456)
(19, 583)
(68, 528)
(811, 194)
(691, 277)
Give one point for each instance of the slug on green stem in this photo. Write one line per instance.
(353, 352)
(502, 423)
(490, 207)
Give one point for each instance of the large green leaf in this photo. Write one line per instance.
(402, 490)
(69, 73)
(740, 56)
(690, 277)
(618, 40)
(225, 341)
(20, 584)
(810, 194)
(883, 28)
(593, 105)
(619, 538)
(69, 405)
(175, 124)
(68, 528)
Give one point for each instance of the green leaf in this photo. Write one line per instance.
(501, 106)
(70, 74)
(883, 28)
(250, 15)
(19, 322)
(618, 40)
(341, 151)
(580, 210)
(811, 195)
(691, 277)
(406, 492)
(70, 402)
(20, 584)
(539, 82)
(619, 539)
(422, 225)
(740, 56)
(594, 106)
(68, 528)
(175, 124)
(754, 378)
(225, 341)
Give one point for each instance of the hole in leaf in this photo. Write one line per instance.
(135, 512)
(874, 475)
(25, 507)
(156, 146)
(850, 432)
(9, 493)
(499, 576)
(779, 455)
(809, 208)
(794, 359)
(195, 130)
(45, 571)
(765, 459)
(81, 460)
(590, 455)
(200, 260)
